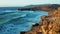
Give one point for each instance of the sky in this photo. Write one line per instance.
(6, 3)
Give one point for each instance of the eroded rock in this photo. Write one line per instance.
(48, 24)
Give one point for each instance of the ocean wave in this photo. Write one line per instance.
(13, 22)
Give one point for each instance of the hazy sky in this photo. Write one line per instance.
(26, 2)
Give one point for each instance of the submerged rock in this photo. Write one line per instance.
(48, 24)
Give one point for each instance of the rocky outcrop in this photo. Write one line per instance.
(48, 24)
(41, 7)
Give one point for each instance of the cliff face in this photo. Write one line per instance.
(43, 7)
(48, 24)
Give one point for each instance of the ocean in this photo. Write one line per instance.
(14, 21)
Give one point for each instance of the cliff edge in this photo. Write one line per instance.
(48, 24)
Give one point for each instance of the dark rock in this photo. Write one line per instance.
(22, 32)
(36, 25)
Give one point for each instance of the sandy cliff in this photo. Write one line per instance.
(48, 24)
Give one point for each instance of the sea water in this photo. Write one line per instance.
(15, 21)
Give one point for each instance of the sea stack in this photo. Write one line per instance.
(48, 24)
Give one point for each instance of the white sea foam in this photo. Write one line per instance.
(23, 15)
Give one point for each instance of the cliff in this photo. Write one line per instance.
(48, 24)
(43, 7)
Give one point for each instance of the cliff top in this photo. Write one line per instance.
(45, 7)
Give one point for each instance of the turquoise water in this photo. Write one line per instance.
(14, 21)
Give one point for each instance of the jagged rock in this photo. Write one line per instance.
(48, 24)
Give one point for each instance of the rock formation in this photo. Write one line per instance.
(48, 24)
(46, 7)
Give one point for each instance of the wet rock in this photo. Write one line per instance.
(35, 25)
(22, 32)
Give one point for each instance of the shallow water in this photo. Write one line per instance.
(14, 21)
